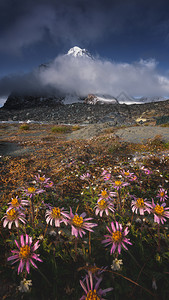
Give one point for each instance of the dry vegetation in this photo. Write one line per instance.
(64, 161)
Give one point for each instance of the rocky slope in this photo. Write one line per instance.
(115, 114)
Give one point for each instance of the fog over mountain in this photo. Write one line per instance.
(79, 73)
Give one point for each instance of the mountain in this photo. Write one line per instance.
(152, 99)
(78, 52)
(124, 98)
(47, 96)
(100, 99)
(20, 101)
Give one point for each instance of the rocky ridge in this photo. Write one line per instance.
(81, 113)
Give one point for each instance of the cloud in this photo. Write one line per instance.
(84, 76)
(31, 21)
(27, 30)
(80, 76)
(25, 23)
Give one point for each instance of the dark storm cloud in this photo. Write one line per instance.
(25, 23)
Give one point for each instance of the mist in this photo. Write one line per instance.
(82, 76)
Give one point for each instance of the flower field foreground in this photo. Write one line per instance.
(85, 220)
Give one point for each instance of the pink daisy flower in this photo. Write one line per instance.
(93, 292)
(127, 174)
(41, 179)
(160, 212)
(118, 184)
(17, 203)
(146, 171)
(13, 215)
(104, 205)
(140, 205)
(49, 184)
(106, 176)
(85, 176)
(25, 253)
(79, 224)
(30, 191)
(133, 178)
(162, 194)
(117, 238)
(107, 195)
(57, 216)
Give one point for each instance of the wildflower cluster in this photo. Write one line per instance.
(114, 211)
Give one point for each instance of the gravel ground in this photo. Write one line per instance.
(132, 134)
(142, 133)
(135, 134)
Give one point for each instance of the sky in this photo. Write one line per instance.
(129, 40)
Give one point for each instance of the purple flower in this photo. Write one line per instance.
(127, 174)
(42, 179)
(146, 171)
(79, 224)
(85, 176)
(30, 191)
(93, 292)
(25, 253)
(49, 184)
(56, 215)
(141, 205)
(162, 194)
(160, 212)
(106, 175)
(118, 184)
(107, 195)
(117, 238)
(13, 215)
(104, 205)
(17, 203)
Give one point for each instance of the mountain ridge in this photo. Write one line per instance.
(20, 100)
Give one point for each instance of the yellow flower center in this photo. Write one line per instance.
(116, 236)
(12, 214)
(104, 194)
(24, 252)
(77, 221)
(56, 212)
(93, 269)
(102, 204)
(140, 202)
(159, 209)
(92, 295)
(118, 182)
(15, 202)
(126, 173)
(162, 194)
(41, 178)
(31, 189)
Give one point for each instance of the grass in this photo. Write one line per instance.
(65, 262)
(24, 127)
(165, 125)
(60, 129)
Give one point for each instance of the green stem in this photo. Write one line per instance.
(76, 248)
(44, 277)
(33, 213)
(158, 232)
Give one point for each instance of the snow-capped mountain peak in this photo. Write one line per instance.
(78, 52)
